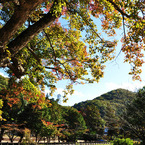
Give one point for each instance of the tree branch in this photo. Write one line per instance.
(16, 67)
(51, 68)
(35, 56)
(19, 17)
(118, 9)
(48, 38)
(4, 1)
(88, 23)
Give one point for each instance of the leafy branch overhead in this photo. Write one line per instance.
(50, 40)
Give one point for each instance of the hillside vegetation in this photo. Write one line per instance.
(117, 99)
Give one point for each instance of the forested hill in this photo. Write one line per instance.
(117, 96)
(116, 99)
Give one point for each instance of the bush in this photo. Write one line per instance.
(123, 141)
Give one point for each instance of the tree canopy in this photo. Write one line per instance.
(35, 42)
(133, 116)
(93, 120)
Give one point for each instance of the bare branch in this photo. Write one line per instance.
(51, 68)
(48, 38)
(124, 37)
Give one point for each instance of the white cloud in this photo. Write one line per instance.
(47, 91)
(78, 94)
(59, 91)
(76, 97)
(3, 74)
(134, 86)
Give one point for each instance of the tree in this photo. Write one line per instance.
(31, 30)
(93, 120)
(55, 111)
(52, 121)
(49, 129)
(75, 124)
(112, 121)
(134, 116)
(19, 103)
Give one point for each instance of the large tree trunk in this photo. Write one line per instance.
(21, 14)
(1, 134)
(143, 141)
(21, 137)
(48, 139)
(36, 137)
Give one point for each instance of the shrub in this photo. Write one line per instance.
(123, 141)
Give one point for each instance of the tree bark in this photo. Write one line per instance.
(21, 41)
(21, 14)
(1, 134)
(21, 137)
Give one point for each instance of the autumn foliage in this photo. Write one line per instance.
(59, 39)
(16, 91)
(46, 41)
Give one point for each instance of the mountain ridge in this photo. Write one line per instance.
(117, 99)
